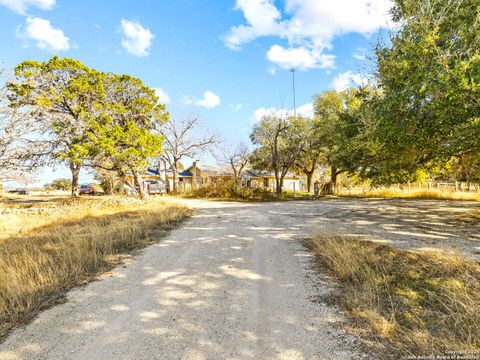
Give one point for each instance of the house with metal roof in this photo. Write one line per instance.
(199, 174)
(266, 180)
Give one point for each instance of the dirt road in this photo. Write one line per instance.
(233, 283)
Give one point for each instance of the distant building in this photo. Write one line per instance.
(266, 180)
(199, 174)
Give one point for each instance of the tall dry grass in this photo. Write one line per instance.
(48, 248)
(440, 194)
(414, 303)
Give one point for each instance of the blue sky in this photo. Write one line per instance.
(226, 61)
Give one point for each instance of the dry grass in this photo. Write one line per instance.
(414, 303)
(7, 196)
(440, 194)
(49, 248)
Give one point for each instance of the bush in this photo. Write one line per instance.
(229, 190)
(59, 184)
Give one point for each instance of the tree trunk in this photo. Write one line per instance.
(333, 179)
(278, 189)
(123, 182)
(280, 186)
(330, 188)
(138, 182)
(75, 169)
(111, 185)
(309, 180)
(175, 177)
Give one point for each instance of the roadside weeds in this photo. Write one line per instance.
(409, 303)
(432, 194)
(38, 265)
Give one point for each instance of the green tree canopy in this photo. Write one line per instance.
(60, 184)
(313, 154)
(66, 97)
(280, 143)
(429, 76)
(123, 138)
(336, 131)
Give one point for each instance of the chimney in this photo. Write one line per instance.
(162, 169)
(194, 174)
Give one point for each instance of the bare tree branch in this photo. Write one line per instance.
(237, 158)
(181, 141)
(23, 146)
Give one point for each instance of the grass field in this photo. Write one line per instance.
(440, 194)
(411, 303)
(50, 246)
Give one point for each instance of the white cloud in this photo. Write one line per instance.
(261, 112)
(360, 54)
(186, 100)
(209, 101)
(300, 58)
(309, 26)
(272, 70)
(45, 36)
(236, 108)
(305, 110)
(344, 80)
(136, 38)
(21, 6)
(262, 20)
(163, 97)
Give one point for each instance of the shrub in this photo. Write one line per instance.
(229, 189)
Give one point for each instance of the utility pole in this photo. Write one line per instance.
(294, 100)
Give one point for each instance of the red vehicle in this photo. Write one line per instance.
(87, 190)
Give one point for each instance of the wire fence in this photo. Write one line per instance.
(457, 186)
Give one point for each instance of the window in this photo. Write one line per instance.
(265, 182)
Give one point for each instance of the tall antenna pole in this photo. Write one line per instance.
(294, 99)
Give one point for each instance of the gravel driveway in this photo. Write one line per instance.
(232, 283)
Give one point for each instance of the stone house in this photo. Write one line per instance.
(199, 174)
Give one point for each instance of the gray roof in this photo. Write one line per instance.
(225, 170)
(215, 170)
(262, 173)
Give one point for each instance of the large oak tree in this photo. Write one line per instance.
(429, 77)
(66, 97)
